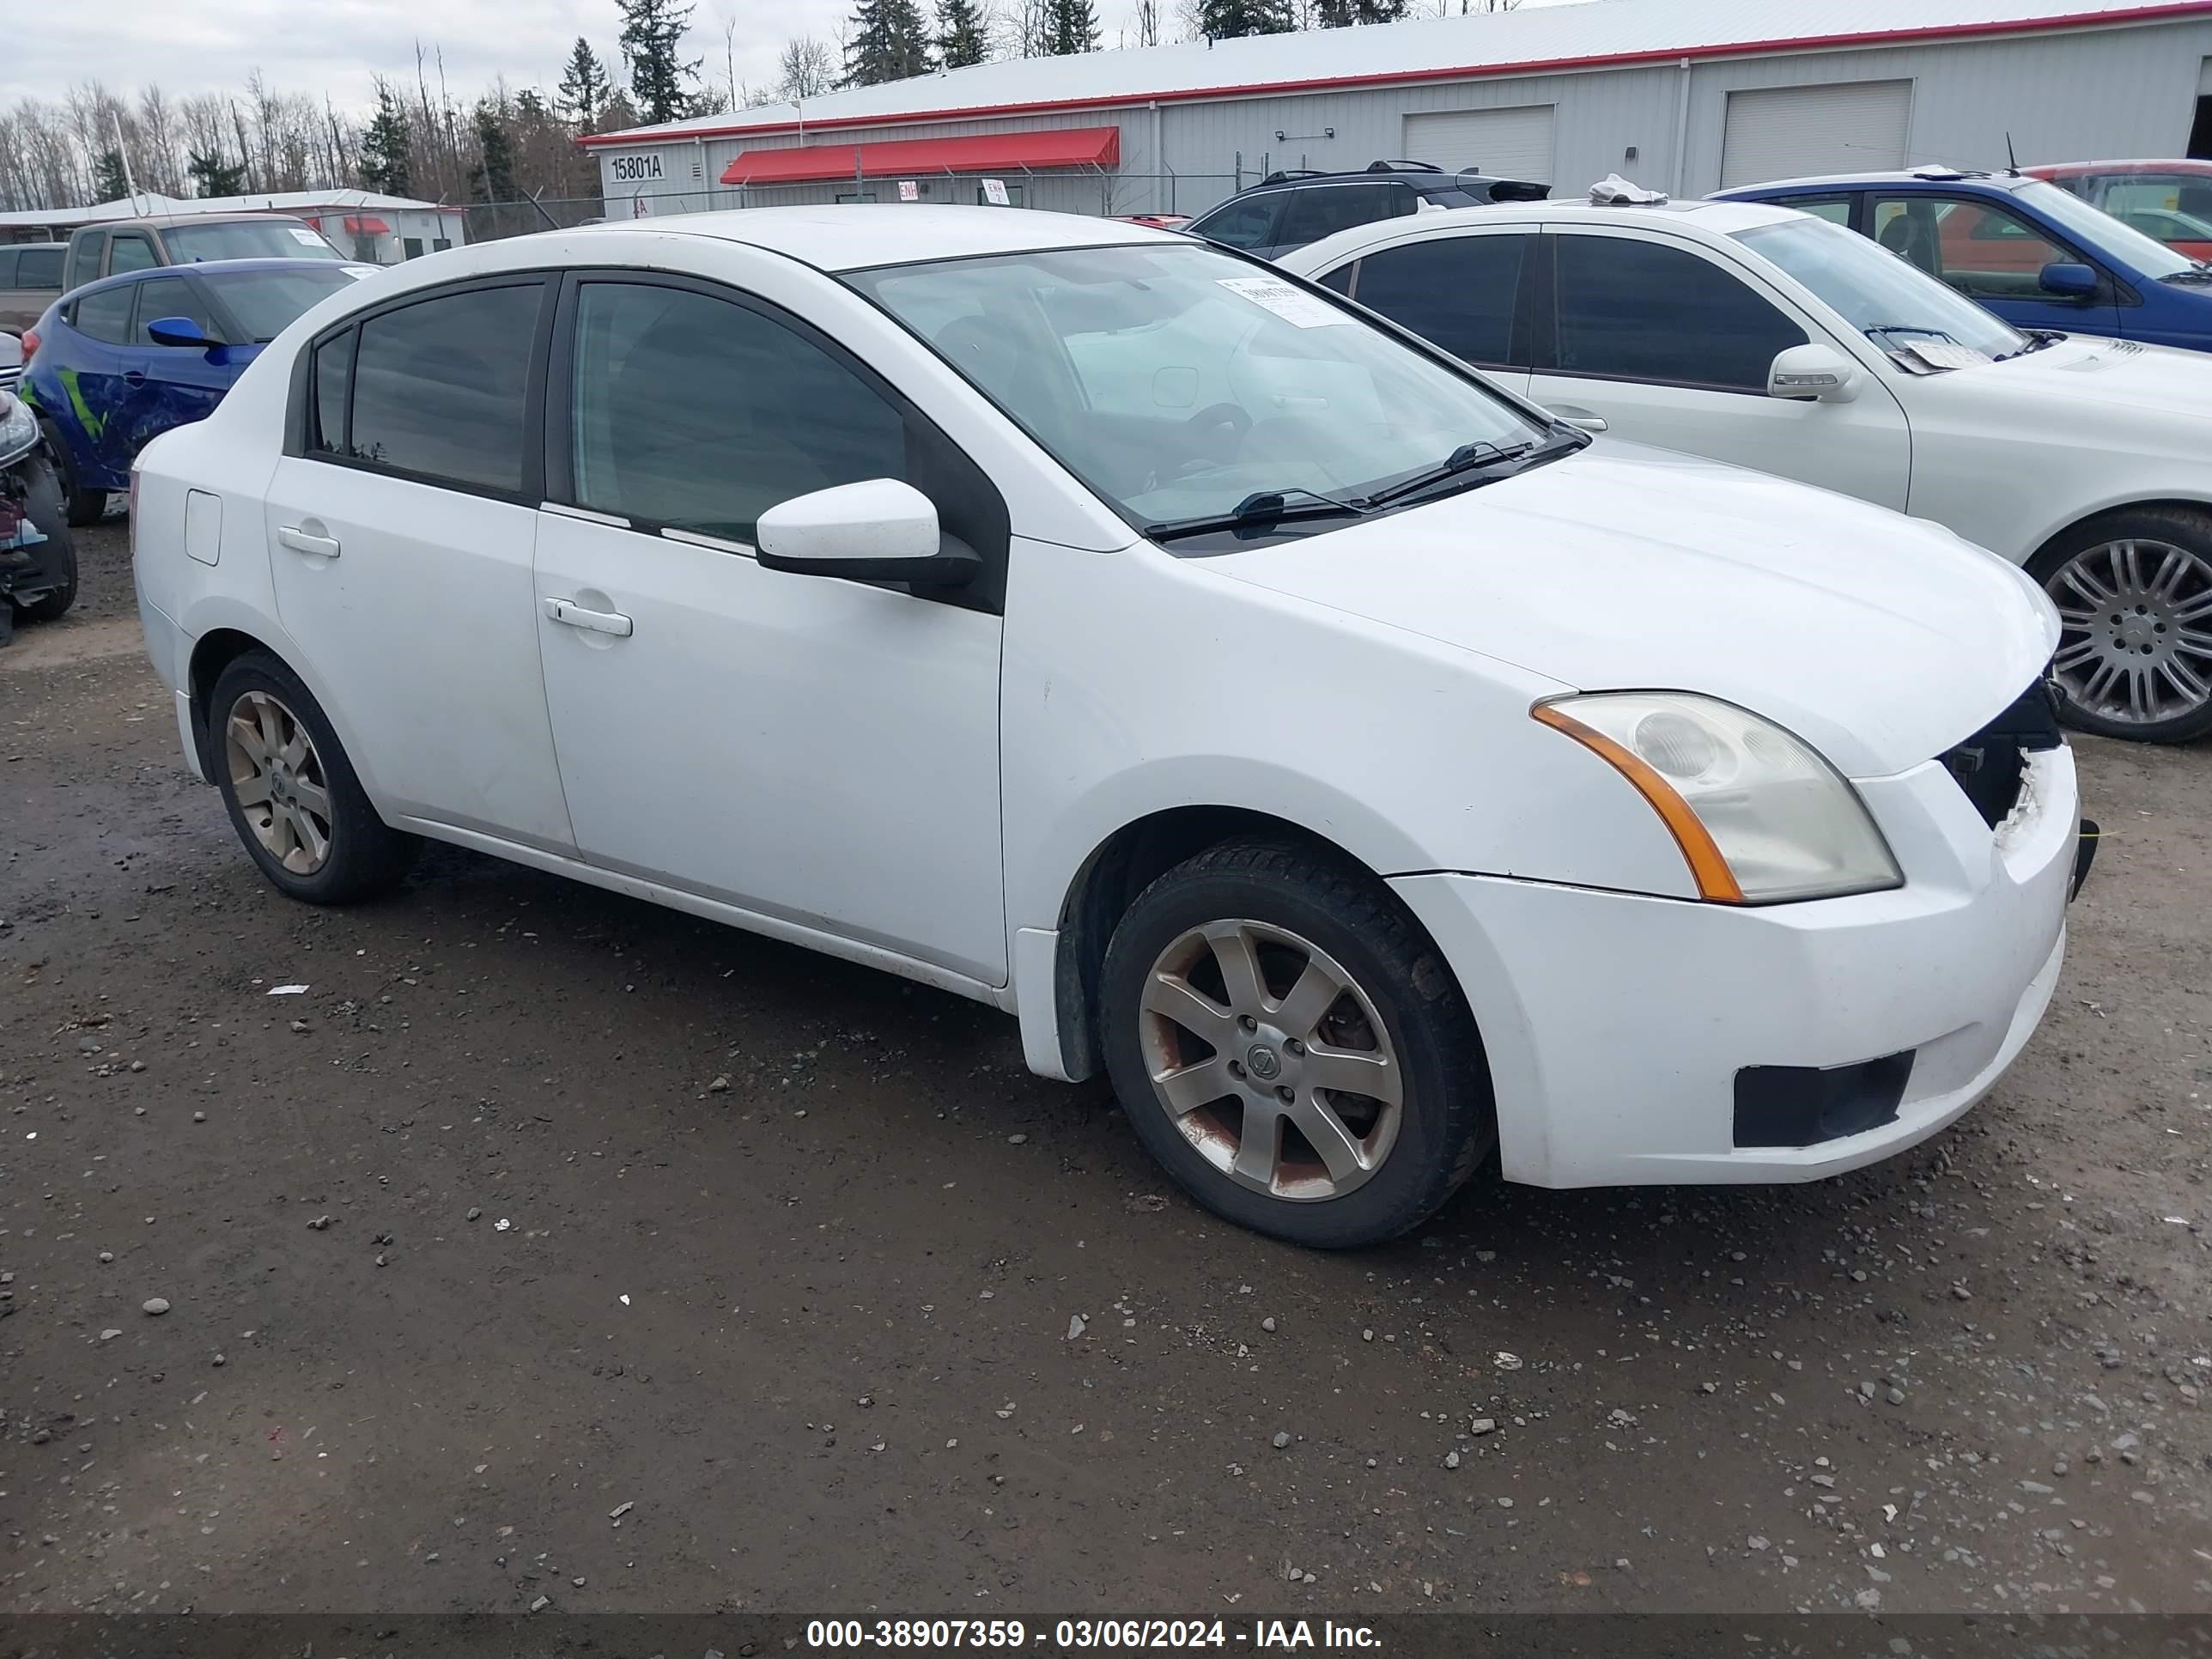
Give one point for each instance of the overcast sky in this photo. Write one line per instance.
(338, 46)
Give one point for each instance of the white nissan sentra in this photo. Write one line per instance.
(1331, 747)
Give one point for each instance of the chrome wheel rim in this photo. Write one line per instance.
(277, 778)
(1271, 1060)
(2137, 642)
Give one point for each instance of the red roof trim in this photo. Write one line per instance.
(1531, 66)
(984, 152)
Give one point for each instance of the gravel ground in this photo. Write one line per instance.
(553, 1245)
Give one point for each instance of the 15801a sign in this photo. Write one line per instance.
(634, 169)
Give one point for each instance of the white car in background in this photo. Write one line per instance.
(1087, 621)
(1773, 339)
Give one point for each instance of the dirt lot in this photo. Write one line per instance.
(554, 1245)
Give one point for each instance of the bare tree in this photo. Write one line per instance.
(805, 68)
(1148, 22)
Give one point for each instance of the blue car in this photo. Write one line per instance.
(2033, 253)
(116, 361)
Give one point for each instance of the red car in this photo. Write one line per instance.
(2171, 201)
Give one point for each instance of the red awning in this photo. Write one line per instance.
(995, 152)
(363, 224)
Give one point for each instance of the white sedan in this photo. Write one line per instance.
(1341, 755)
(1768, 338)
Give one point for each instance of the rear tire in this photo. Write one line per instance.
(1290, 1044)
(42, 500)
(2134, 593)
(83, 507)
(292, 794)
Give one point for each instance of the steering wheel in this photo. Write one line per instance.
(1206, 428)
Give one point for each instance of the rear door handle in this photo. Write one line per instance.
(1588, 419)
(568, 613)
(303, 540)
(134, 377)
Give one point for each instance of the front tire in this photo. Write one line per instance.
(1290, 1046)
(2134, 593)
(291, 792)
(85, 507)
(44, 502)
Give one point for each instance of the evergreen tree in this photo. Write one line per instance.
(1072, 26)
(1227, 20)
(889, 43)
(213, 176)
(652, 33)
(384, 145)
(963, 36)
(109, 182)
(584, 88)
(492, 179)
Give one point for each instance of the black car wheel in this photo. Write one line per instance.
(43, 501)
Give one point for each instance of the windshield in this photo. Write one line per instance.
(264, 302)
(246, 239)
(2103, 232)
(1178, 381)
(1893, 303)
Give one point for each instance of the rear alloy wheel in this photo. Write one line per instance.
(292, 794)
(1289, 1044)
(2134, 593)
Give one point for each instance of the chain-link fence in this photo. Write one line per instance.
(1094, 192)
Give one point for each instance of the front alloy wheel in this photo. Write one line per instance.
(276, 778)
(1271, 1060)
(2134, 607)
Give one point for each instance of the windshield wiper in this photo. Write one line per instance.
(1906, 328)
(2038, 338)
(2199, 272)
(1480, 455)
(1261, 506)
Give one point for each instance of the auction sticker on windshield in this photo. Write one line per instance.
(1293, 305)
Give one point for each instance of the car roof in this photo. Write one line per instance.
(1706, 218)
(2076, 169)
(169, 221)
(853, 235)
(209, 268)
(1930, 178)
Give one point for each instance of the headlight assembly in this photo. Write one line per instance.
(1759, 816)
(19, 429)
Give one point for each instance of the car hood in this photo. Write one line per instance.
(1881, 639)
(2151, 382)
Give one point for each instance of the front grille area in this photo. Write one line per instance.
(1988, 765)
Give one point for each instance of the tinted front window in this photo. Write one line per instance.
(39, 267)
(266, 303)
(246, 239)
(171, 296)
(105, 315)
(1643, 311)
(1246, 222)
(1177, 381)
(1324, 209)
(691, 411)
(1456, 291)
(439, 387)
(131, 252)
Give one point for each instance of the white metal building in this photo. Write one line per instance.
(360, 224)
(1686, 95)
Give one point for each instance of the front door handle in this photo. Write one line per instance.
(570, 614)
(300, 539)
(1588, 419)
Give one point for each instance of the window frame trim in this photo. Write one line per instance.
(302, 394)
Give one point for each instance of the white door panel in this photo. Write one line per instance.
(414, 607)
(1504, 144)
(1860, 449)
(820, 750)
(1794, 132)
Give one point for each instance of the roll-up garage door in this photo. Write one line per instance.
(1505, 144)
(1786, 132)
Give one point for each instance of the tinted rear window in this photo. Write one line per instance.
(438, 385)
(39, 267)
(105, 315)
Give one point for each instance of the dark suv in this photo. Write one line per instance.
(1288, 209)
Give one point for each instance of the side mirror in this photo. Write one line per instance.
(2067, 280)
(878, 530)
(178, 331)
(1813, 374)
